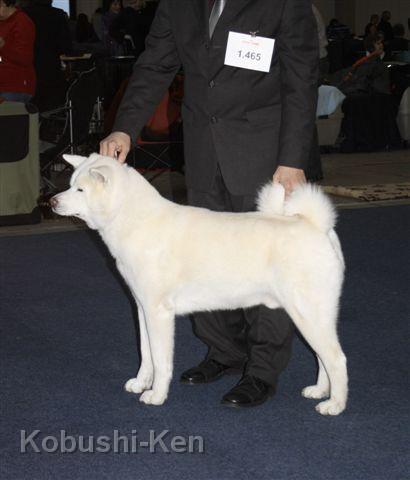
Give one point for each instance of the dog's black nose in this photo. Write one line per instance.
(53, 202)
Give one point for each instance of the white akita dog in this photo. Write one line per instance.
(179, 259)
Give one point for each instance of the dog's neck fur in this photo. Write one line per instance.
(146, 202)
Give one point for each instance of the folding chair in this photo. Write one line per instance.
(68, 127)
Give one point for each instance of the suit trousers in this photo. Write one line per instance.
(258, 340)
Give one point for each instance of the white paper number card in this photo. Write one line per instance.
(249, 51)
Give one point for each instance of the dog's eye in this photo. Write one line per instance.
(80, 190)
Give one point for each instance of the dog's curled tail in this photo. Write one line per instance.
(271, 199)
(308, 200)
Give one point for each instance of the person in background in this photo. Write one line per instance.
(371, 27)
(369, 74)
(52, 40)
(378, 73)
(133, 21)
(337, 31)
(84, 31)
(72, 24)
(399, 43)
(17, 35)
(374, 46)
(112, 11)
(385, 26)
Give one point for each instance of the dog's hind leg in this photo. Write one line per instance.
(322, 387)
(160, 321)
(145, 376)
(319, 330)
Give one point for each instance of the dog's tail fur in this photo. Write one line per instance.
(308, 200)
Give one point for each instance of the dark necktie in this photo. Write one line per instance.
(216, 12)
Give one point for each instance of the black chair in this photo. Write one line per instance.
(67, 128)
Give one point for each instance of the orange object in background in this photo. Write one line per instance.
(167, 113)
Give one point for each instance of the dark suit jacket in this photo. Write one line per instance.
(247, 121)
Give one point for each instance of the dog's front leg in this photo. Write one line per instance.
(160, 322)
(145, 376)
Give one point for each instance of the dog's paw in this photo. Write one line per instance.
(316, 392)
(330, 407)
(151, 397)
(139, 384)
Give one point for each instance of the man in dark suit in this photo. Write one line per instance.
(241, 127)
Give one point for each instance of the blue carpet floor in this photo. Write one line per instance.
(68, 345)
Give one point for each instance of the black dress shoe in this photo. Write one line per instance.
(207, 371)
(250, 392)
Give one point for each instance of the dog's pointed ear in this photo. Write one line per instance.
(74, 160)
(101, 174)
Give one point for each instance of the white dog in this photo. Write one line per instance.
(178, 259)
